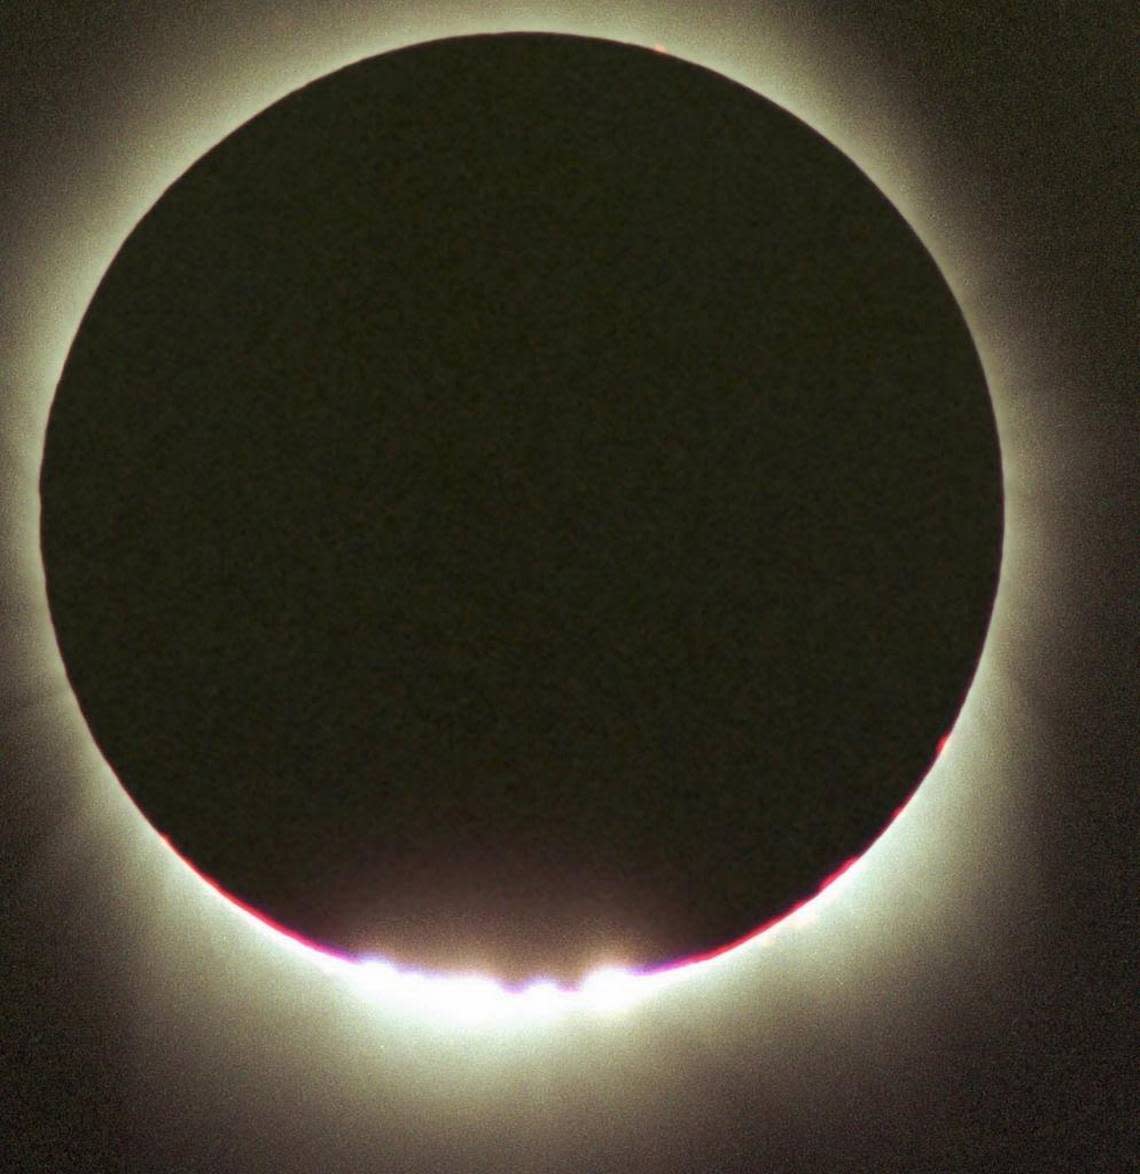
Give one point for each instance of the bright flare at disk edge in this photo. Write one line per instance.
(474, 1000)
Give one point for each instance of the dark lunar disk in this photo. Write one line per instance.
(520, 502)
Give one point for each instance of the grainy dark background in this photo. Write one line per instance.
(1022, 111)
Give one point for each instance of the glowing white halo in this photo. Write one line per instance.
(465, 1000)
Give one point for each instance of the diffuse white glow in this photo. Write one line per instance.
(187, 132)
(475, 1000)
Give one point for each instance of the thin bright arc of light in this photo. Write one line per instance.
(473, 999)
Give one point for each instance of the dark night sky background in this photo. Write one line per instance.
(522, 499)
(622, 427)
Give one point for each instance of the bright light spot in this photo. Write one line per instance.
(611, 989)
(464, 998)
(544, 998)
(374, 977)
(474, 999)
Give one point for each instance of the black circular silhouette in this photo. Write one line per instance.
(521, 501)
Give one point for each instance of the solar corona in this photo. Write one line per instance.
(856, 895)
(481, 1001)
